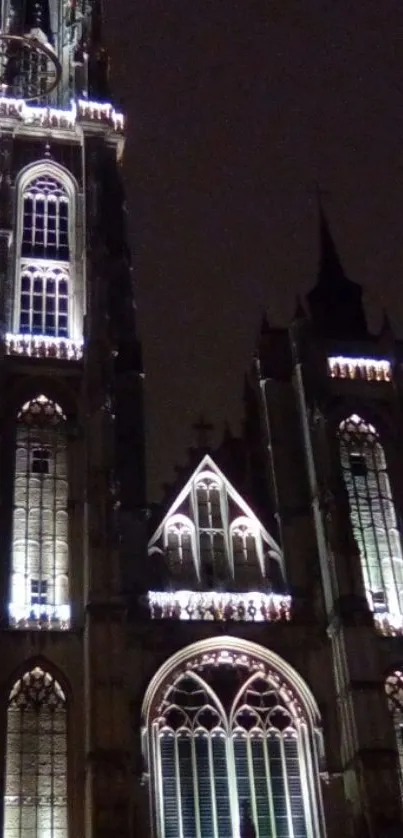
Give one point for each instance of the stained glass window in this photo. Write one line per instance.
(233, 756)
(35, 801)
(39, 578)
(373, 515)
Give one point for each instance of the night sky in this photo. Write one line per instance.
(236, 110)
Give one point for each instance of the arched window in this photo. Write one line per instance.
(180, 546)
(44, 300)
(208, 502)
(394, 695)
(247, 554)
(373, 516)
(233, 749)
(35, 801)
(39, 578)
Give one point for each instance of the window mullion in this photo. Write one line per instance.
(232, 786)
(286, 788)
(370, 501)
(178, 788)
(195, 786)
(252, 785)
(212, 786)
(269, 788)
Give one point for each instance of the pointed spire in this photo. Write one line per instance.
(335, 302)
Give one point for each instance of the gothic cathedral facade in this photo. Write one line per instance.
(230, 666)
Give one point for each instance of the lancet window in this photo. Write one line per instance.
(394, 695)
(373, 516)
(35, 800)
(45, 258)
(233, 753)
(39, 574)
(180, 547)
(209, 503)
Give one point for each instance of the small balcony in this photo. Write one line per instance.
(39, 617)
(251, 606)
(41, 346)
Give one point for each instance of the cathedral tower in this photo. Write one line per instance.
(72, 503)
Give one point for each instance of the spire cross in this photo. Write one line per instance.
(203, 430)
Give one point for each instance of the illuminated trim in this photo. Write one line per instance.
(207, 467)
(40, 346)
(252, 606)
(367, 369)
(226, 649)
(39, 616)
(97, 113)
(390, 625)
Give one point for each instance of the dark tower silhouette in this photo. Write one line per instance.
(335, 302)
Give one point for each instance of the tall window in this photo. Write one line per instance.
(233, 752)
(35, 803)
(394, 695)
(39, 581)
(44, 270)
(180, 549)
(373, 516)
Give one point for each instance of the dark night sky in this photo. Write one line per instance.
(235, 111)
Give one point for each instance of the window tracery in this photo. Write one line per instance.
(46, 301)
(35, 801)
(222, 563)
(209, 502)
(44, 263)
(373, 518)
(229, 733)
(180, 547)
(39, 577)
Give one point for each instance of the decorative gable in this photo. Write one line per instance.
(220, 562)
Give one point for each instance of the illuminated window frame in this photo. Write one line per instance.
(35, 795)
(63, 270)
(304, 727)
(373, 519)
(40, 542)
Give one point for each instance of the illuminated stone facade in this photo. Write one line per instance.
(230, 664)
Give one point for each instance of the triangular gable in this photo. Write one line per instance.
(208, 464)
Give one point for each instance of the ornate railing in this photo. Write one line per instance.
(101, 113)
(42, 617)
(366, 369)
(40, 346)
(212, 605)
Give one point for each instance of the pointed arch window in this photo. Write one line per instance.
(233, 753)
(45, 301)
(373, 516)
(208, 491)
(394, 695)
(39, 573)
(180, 547)
(35, 801)
(247, 553)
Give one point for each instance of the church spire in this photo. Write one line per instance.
(335, 302)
